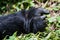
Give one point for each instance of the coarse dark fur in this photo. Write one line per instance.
(24, 21)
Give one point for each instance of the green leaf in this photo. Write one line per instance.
(28, 0)
(32, 4)
(55, 8)
(58, 32)
(52, 19)
(58, 19)
(13, 36)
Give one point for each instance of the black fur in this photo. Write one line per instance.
(24, 21)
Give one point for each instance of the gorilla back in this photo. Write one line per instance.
(24, 21)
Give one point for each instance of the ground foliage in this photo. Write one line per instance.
(52, 31)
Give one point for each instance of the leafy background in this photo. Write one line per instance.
(52, 30)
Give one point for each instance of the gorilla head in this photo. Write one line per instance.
(35, 20)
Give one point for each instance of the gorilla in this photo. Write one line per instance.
(24, 21)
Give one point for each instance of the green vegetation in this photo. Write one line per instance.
(52, 31)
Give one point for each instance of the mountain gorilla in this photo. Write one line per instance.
(24, 21)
